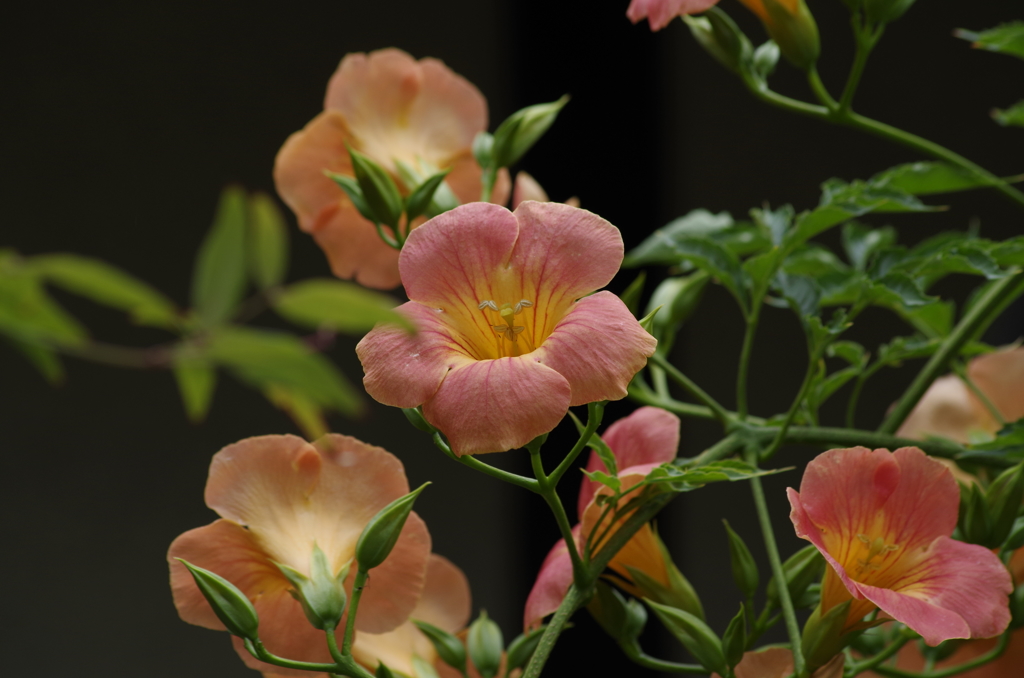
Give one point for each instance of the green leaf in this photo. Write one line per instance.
(899, 288)
(599, 446)
(337, 305)
(777, 222)
(1009, 442)
(218, 280)
(801, 292)
(927, 178)
(850, 351)
(108, 285)
(813, 261)
(678, 297)
(28, 314)
(1009, 252)
(1012, 116)
(305, 412)
(932, 320)
(449, 648)
(522, 648)
(610, 481)
(196, 381)
(678, 479)
(710, 256)
(800, 570)
(267, 359)
(268, 242)
(744, 569)
(631, 296)
(1005, 38)
(46, 361)
(861, 242)
(659, 247)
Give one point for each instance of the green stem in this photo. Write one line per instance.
(866, 37)
(639, 657)
(720, 450)
(595, 413)
(572, 602)
(780, 435)
(548, 490)
(973, 323)
(696, 391)
(641, 393)
(961, 372)
(348, 667)
(332, 644)
(989, 656)
(388, 240)
(788, 613)
(353, 608)
(748, 346)
(820, 91)
(869, 664)
(477, 465)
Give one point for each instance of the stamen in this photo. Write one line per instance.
(507, 313)
(487, 303)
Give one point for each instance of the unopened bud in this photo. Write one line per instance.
(720, 37)
(485, 645)
(522, 130)
(695, 635)
(382, 532)
(230, 605)
(322, 594)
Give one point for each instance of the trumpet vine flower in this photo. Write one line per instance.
(510, 335)
(640, 442)
(393, 109)
(659, 13)
(777, 662)
(883, 522)
(278, 496)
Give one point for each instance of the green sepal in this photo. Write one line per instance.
(354, 193)
(624, 621)
(322, 594)
(744, 569)
(974, 518)
(521, 130)
(821, 636)
(800, 569)
(521, 649)
(416, 418)
(694, 634)
(734, 640)
(720, 37)
(378, 188)
(449, 648)
(383, 671)
(418, 202)
(421, 668)
(1016, 538)
(679, 593)
(230, 605)
(485, 644)
(647, 322)
(381, 533)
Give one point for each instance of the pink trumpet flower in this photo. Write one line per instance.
(883, 522)
(394, 109)
(645, 439)
(777, 662)
(278, 496)
(510, 335)
(659, 13)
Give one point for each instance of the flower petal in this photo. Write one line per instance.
(527, 188)
(598, 347)
(404, 370)
(648, 436)
(948, 409)
(659, 13)
(1000, 375)
(552, 583)
(497, 405)
(227, 549)
(966, 581)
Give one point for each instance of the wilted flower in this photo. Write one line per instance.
(278, 496)
(393, 109)
(510, 334)
(640, 442)
(950, 409)
(882, 521)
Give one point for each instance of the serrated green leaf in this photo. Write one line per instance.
(1005, 38)
(861, 242)
(268, 242)
(813, 261)
(659, 247)
(850, 351)
(196, 381)
(686, 479)
(776, 222)
(218, 280)
(927, 178)
(610, 481)
(337, 305)
(900, 288)
(1009, 252)
(268, 359)
(1012, 116)
(106, 284)
(932, 320)
(801, 292)
(710, 256)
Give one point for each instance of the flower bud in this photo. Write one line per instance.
(449, 648)
(379, 190)
(721, 38)
(1003, 498)
(695, 635)
(521, 649)
(485, 645)
(734, 640)
(792, 27)
(354, 193)
(744, 569)
(230, 605)
(381, 533)
(522, 130)
(429, 194)
(322, 594)
(801, 570)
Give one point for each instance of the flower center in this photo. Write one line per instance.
(876, 551)
(509, 324)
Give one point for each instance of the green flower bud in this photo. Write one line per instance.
(694, 634)
(381, 533)
(230, 605)
(379, 190)
(734, 641)
(1004, 498)
(322, 594)
(449, 648)
(720, 37)
(821, 636)
(884, 11)
(483, 149)
(792, 27)
(522, 130)
(801, 570)
(744, 569)
(354, 193)
(485, 645)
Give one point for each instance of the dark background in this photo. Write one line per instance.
(121, 122)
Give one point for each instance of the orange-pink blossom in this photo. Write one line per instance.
(278, 496)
